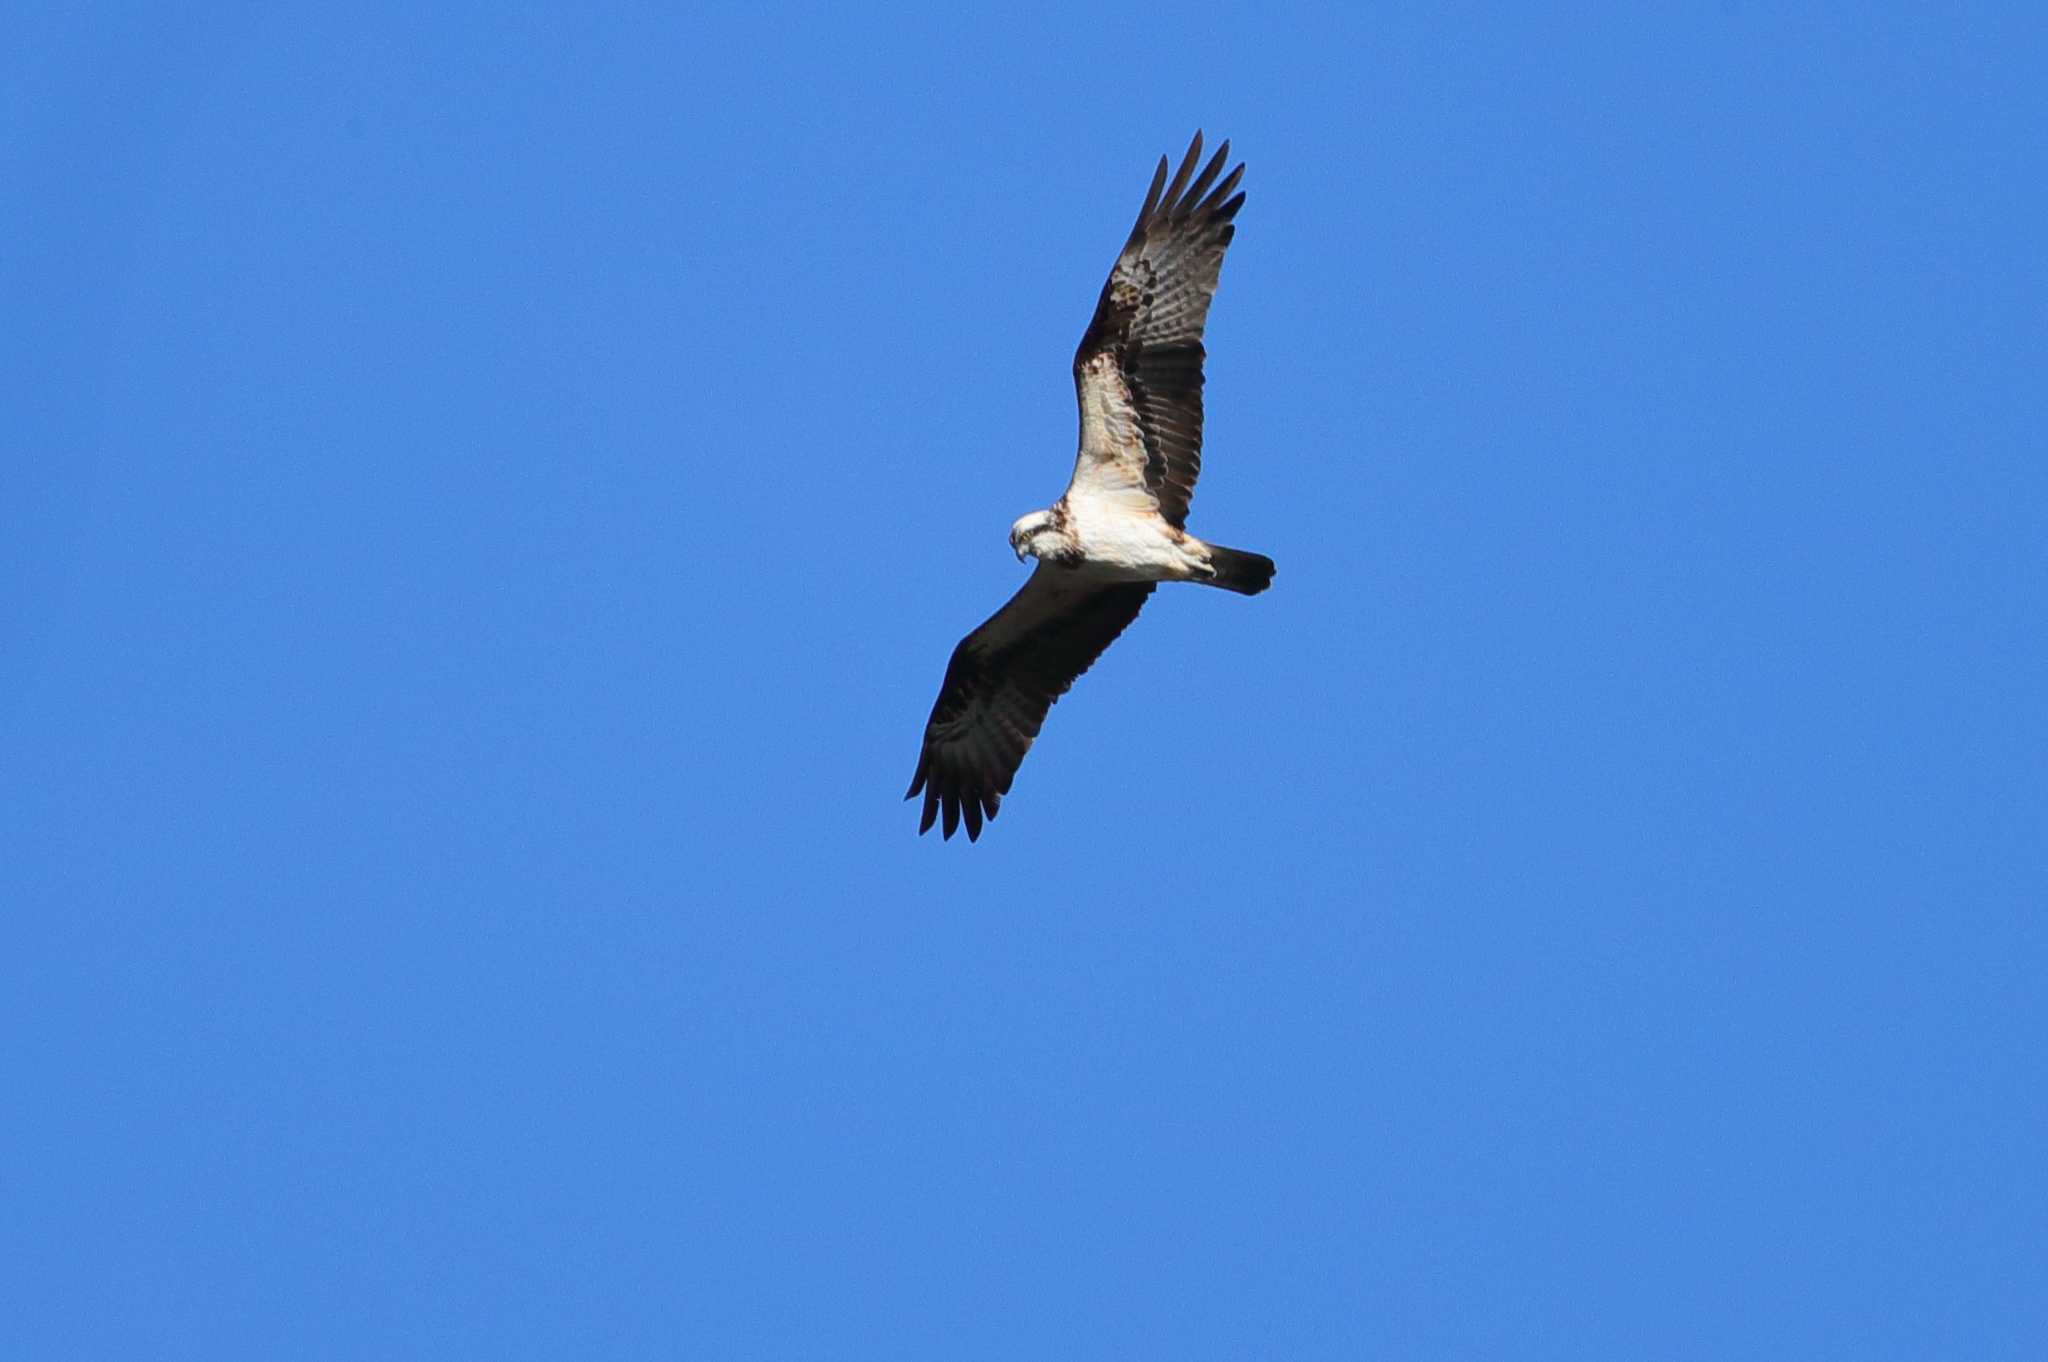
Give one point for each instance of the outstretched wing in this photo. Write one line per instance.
(1138, 373)
(1003, 678)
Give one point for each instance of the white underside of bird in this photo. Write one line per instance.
(1109, 540)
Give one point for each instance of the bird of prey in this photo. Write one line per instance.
(1120, 527)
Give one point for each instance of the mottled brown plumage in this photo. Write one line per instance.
(1119, 528)
(1150, 317)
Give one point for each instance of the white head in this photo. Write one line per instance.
(1042, 534)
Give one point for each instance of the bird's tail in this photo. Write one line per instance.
(1245, 573)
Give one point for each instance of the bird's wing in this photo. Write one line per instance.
(1001, 681)
(1138, 372)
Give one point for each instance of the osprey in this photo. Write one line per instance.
(1120, 527)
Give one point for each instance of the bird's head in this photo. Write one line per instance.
(1026, 534)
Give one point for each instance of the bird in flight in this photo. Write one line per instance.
(1120, 528)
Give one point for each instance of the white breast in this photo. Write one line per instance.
(1127, 541)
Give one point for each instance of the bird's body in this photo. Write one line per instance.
(1099, 539)
(1119, 529)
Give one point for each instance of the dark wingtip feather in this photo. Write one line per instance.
(1199, 190)
(1180, 177)
(1151, 198)
(1221, 192)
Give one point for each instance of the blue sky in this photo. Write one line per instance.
(491, 495)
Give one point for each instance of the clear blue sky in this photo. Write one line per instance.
(489, 498)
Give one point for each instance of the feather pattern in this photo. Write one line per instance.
(1002, 680)
(1138, 370)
